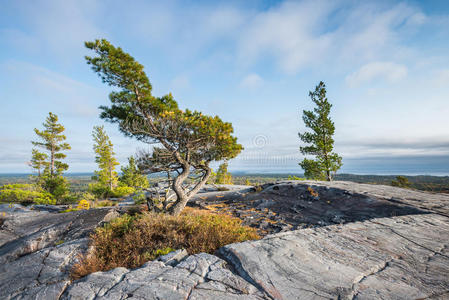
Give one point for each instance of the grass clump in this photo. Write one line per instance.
(130, 241)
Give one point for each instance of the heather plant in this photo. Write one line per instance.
(130, 241)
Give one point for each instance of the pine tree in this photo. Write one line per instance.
(52, 141)
(320, 142)
(105, 158)
(223, 176)
(131, 176)
(188, 141)
(38, 161)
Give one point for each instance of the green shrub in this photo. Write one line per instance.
(401, 181)
(104, 203)
(122, 191)
(160, 252)
(88, 196)
(57, 186)
(139, 198)
(100, 191)
(130, 241)
(25, 194)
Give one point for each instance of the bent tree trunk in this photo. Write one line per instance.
(182, 196)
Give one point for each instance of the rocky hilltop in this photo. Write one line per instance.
(337, 240)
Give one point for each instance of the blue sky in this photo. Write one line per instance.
(385, 64)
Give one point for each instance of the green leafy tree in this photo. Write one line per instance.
(131, 175)
(223, 176)
(401, 181)
(106, 176)
(52, 141)
(319, 141)
(186, 141)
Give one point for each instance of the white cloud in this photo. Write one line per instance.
(289, 32)
(377, 71)
(298, 35)
(251, 81)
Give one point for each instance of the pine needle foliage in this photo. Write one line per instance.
(319, 141)
(186, 141)
(103, 147)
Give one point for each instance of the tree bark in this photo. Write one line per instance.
(52, 160)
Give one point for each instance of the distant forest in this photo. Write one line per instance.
(439, 184)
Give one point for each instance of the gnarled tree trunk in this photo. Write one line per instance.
(182, 196)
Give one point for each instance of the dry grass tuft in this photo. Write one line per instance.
(130, 241)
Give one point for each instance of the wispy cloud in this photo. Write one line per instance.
(59, 91)
(377, 71)
(291, 32)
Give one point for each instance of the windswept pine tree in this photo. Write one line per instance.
(186, 141)
(52, 142)
(319, 142)
(107, 176)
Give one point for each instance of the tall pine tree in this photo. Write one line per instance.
(319, 142)
(105, 159)
(52, 141)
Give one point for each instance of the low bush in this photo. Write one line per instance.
(104, 203)
(122, 191)
(129, 241)
(101, 191)
(140, 198)
(25, 194)
(83, 204)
